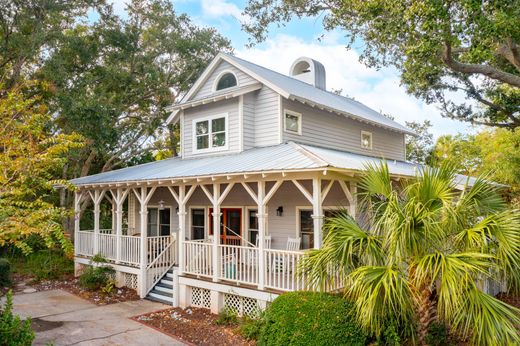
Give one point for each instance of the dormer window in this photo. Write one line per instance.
(292, 122)
(226, 80)
(210, 133)
(366, 140)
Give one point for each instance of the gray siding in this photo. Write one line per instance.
(321, 128)
(267, 118)
(207, 88)
(190, 115)
(249, 121)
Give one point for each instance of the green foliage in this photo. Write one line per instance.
(310, 318)
(466, 46)
(14, 331)
(97, 276)
(390, 336)
(31, 156)
(5, 272)
(250, 328)
(418, 149)
(419, 236)
(437, 335)
(227, 317)
(46, 264)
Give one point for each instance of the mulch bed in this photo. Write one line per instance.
(25, 284)
(511, 300)
(195, 326)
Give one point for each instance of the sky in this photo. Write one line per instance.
(378, 89)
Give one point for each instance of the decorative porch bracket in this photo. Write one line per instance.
(262, 199)
(143, 196)
(216, 199)
(97, 197)
(118, 198)
(182, 199)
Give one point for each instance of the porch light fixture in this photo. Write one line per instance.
(279, 211)
(161, 205)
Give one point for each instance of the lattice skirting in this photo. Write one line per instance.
(130, 280)
(243, 306)
(200, 297)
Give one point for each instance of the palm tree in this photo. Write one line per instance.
(420, 251)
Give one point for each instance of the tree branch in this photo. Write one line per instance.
(485, 70)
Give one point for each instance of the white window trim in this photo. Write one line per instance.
(300, 120)
(157, 206)
(190, 221)
(309, 208)
(209, 119)
(361, 140)
(247, 210)
(220, 75)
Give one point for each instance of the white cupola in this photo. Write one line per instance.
(309, 71)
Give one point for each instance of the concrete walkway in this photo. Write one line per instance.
(65, 319)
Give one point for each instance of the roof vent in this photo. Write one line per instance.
(309, 71)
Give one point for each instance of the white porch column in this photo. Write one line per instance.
(118, 200)
(261, 216)
(97, 213)
(317, 212)
(353, 201)
(216, 231)
(77, 215)
(182, 226)
(143, 212)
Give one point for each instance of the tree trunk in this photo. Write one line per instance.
(426, 313)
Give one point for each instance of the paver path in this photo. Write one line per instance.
(65, 319)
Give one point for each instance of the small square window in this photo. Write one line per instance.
(293, 122)
(211, 133)
(366, 140)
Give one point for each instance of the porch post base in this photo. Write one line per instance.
(216, 302)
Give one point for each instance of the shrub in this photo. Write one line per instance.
(437, 335)
(5, 272)
(311, 318)
(14, 331)
(96, 277)
(49, 265)
(227, 317)
(250, 328)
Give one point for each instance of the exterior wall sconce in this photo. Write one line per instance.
(279, 211)
(161, 205)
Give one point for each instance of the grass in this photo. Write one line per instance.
(42, 265)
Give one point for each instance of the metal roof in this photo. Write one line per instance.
(284, 157)
(302, 91)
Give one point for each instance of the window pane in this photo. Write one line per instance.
(366, 140)
(291, 122)
(253, 220)
(202, 142)
(202, 127)
(197, 224)
(164, 216)
(218, 125)
(306, 229)
(219, 140)
(226, 81)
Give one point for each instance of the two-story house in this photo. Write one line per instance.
(264, 158)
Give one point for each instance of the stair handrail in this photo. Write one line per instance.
(238, 235)
(149, 287)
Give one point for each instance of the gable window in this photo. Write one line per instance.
(292, 122)
(366, 140)
(211, 133)
(226, 80)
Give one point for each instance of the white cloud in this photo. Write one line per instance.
(222, 8)
(379, 90)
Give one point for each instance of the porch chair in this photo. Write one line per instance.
(267, 244)
(293, 244)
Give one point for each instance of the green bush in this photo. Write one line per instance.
(311, 318)
(437, 335)
(250, 328)
(227, 317)
(5, 272)
(14, 331)
(96, 277)
(43, 265)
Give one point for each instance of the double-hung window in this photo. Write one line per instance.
(210, 134)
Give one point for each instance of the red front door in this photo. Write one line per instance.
(230, 226)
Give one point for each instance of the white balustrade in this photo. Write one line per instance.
(281, 270)
(156, 245)
(198, 258)
(130, 250)
(162, 262)
(85, 243)
(239, 264)
(108, 246)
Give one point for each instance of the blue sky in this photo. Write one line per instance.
(379, 90)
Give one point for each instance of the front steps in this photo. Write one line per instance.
(163, 290)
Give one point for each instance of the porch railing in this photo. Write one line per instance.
(84, 242)
(240, 264)
(130, 250)
(108, 246)
(161, 263)
(197, 258)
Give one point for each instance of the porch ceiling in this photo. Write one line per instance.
(286, 157)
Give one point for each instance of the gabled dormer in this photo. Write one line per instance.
(236, 105)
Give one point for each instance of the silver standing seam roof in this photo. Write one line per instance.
(283, 157)
(302, 91)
